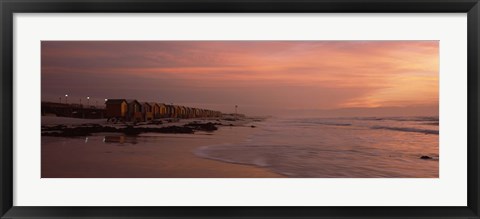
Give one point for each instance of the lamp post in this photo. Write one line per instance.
(83, 111)
(236, 106)
(88, 101)
(66, 98)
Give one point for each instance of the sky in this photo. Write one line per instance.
(280, 78)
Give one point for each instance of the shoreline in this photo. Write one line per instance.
(75, 127)
(147, 155)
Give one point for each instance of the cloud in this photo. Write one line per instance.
(261, 74)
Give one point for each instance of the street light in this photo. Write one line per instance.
(236, 114)
(66, 98)
(88, 101)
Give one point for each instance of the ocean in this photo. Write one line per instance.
(389, 147)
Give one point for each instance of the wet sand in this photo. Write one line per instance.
(145, 156)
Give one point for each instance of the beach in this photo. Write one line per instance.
(148, 155)
(361, 147)
(358, 147)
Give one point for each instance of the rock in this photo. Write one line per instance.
(61, 131)
(202, 127)
(155, 122)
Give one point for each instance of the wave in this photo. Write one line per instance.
(402, 119)
(326, 123)
(333, 123)
(405, 129)
(304, 161)
(241, 154)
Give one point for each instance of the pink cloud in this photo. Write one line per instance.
(356, 73)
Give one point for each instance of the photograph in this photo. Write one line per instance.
(240, 109)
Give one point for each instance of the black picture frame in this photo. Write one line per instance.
(9, 7)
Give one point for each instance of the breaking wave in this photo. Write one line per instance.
(404, 129)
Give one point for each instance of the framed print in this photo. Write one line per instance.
(258, 109)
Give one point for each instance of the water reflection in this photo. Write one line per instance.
(120, 139)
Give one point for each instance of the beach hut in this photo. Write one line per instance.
(196, 112)
(147, 111)
(178, 111)
(163, 111)
(116, 109)
(134, 111)
(184, 112)
(187, 112)
(155, 110)
(170, 111)
(190, 112)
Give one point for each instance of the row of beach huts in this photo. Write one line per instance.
(134, 111)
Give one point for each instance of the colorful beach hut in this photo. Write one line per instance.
(116, 109)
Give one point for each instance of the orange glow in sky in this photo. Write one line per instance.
(262, 77)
